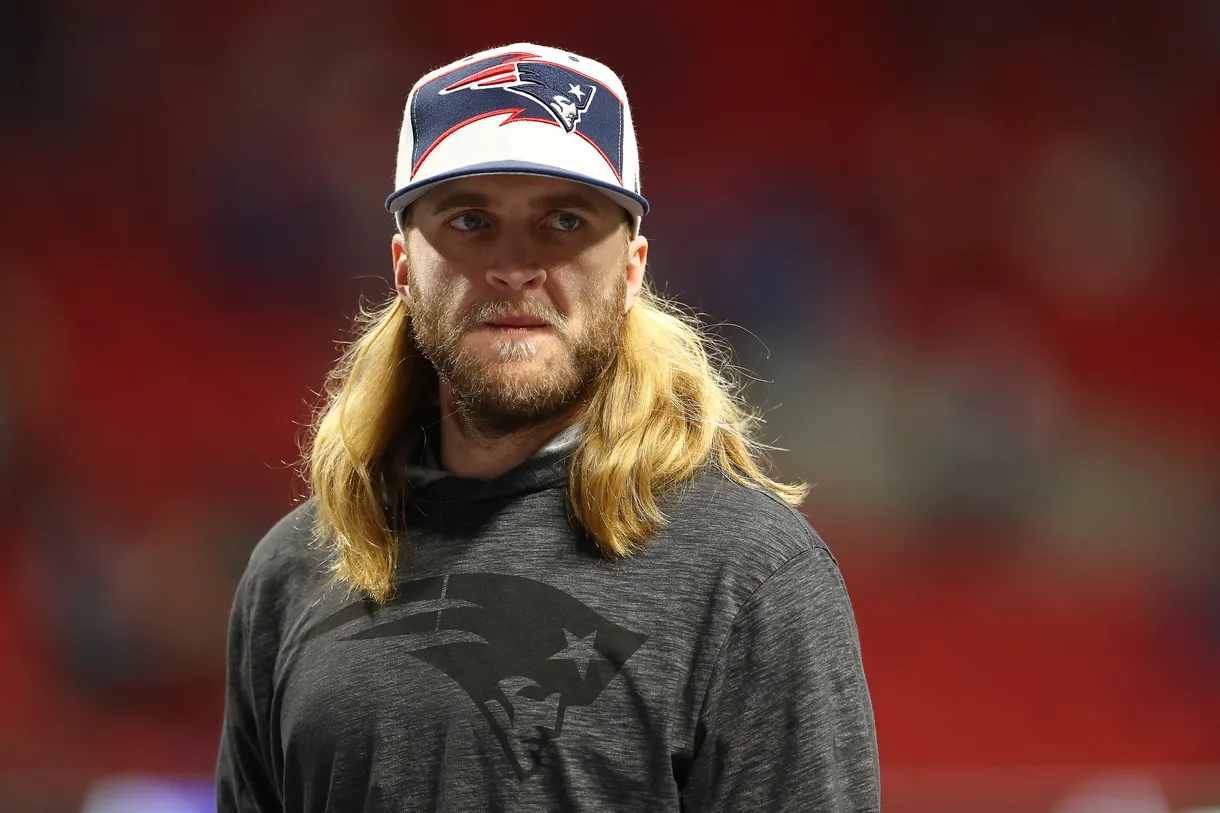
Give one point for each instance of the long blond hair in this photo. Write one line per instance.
(664, 410)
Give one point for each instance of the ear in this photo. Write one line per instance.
(401, 268)
(637, 261)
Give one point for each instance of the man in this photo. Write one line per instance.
(540, 567)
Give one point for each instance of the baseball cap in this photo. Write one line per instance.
(520, 109)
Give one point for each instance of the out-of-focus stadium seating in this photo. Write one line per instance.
(976, 239)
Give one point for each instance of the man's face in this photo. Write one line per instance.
(518, 288)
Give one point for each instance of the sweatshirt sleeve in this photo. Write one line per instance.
(244, 781)
(787, 724)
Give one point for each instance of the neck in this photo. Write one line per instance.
(465, 452)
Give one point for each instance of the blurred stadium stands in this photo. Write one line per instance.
(969, 248)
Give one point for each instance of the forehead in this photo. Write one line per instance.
(516, 191)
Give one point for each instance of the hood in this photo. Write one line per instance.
(413, 468)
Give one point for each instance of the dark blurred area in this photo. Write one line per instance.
(966, 249)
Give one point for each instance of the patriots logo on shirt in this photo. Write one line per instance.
(523, 87)
(523, 651)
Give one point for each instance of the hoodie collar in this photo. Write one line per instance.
(415, 465)
(424, 467)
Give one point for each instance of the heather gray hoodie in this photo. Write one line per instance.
(516, 669)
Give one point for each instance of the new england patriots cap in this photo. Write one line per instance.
(520, 109)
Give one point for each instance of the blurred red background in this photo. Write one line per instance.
(967, 248)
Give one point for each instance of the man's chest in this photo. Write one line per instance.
(484, 676)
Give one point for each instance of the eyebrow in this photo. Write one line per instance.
(477, 200)
(459, 200)
(568, 200)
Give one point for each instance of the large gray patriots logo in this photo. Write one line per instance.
(522, 650)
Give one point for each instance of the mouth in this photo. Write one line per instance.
(524, 322)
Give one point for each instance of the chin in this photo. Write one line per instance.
(524, 350)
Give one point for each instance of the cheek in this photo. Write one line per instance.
(592, 298)
(434, 285)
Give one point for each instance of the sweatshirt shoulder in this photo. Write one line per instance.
(288, 552)
(752, 526)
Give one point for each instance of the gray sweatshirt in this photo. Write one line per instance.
(517, 669)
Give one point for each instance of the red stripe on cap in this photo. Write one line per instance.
(508, 65)
(613, 169)
(528, 118)
(515, 116)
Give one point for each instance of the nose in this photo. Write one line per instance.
(516, 278)
(516, 268)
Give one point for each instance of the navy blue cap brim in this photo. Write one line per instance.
(632, 202)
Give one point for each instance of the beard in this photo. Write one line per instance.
(496, 397)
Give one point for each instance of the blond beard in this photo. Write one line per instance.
(488, 398)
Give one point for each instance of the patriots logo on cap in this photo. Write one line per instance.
(523, 651)
(498, 85)
(549, 85)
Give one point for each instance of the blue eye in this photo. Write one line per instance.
(468, 221)
(564, 221)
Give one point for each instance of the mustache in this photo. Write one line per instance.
(487, 311)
